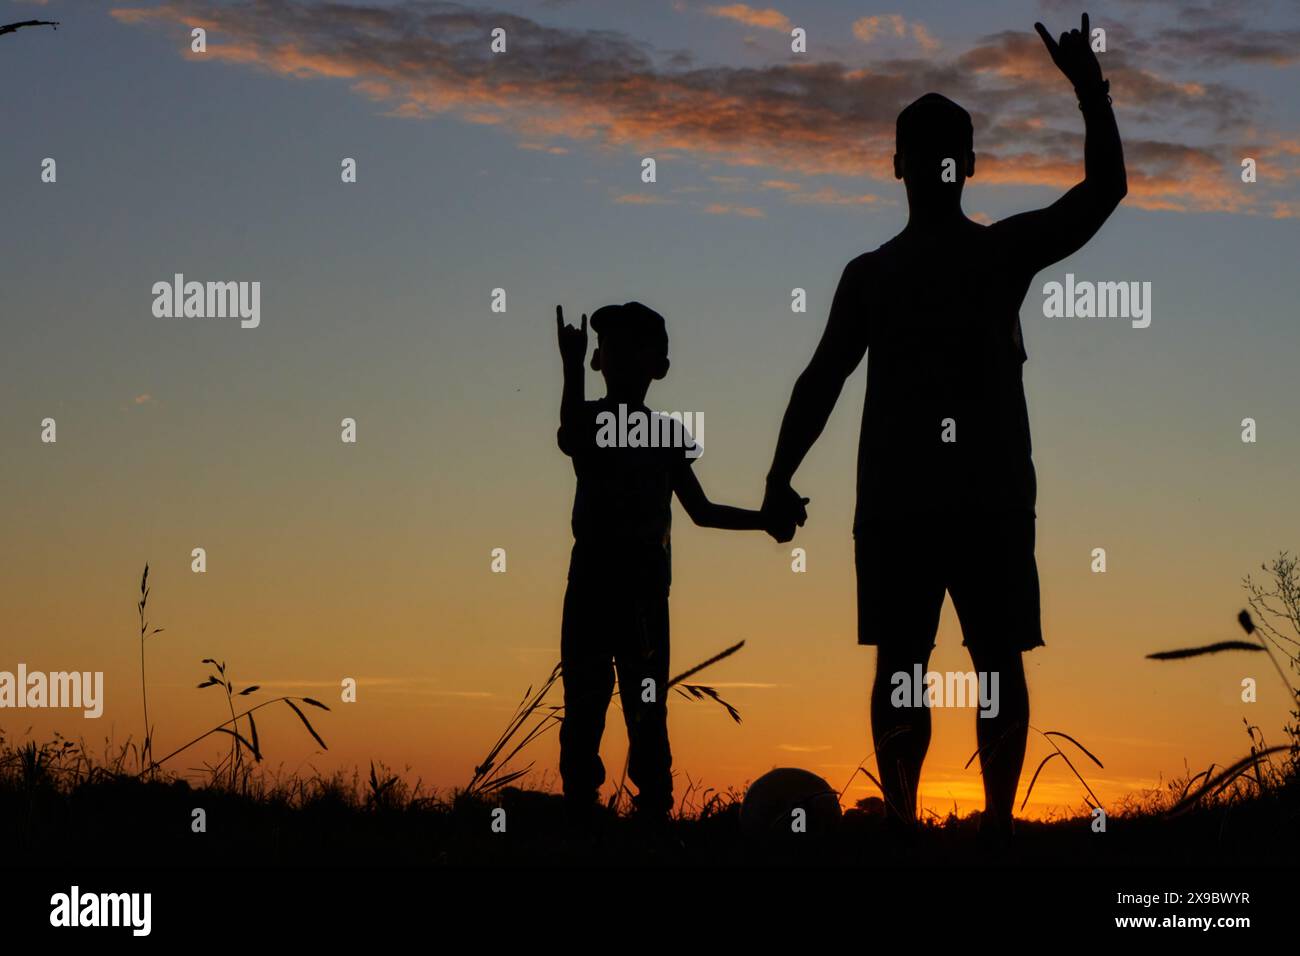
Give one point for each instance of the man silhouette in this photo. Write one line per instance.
(946, 484)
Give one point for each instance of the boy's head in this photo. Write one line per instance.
(631, 345)
(929, 131)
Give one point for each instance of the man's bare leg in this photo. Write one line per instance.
(1002, 738)
(901, 734)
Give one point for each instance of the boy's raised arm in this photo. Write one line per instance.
(1044, 236)
(573, 352)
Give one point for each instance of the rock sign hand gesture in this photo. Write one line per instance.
(573, 341)
(1073, 55)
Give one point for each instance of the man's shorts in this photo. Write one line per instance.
(985, 562)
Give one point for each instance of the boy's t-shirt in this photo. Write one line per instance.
(622, 509)
(945, 427)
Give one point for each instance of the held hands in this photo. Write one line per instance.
(1074, 57)
(783, 510)
(573, 341)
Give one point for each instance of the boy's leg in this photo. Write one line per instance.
(588, 673)
(643, 656)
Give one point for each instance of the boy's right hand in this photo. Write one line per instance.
(573, 342)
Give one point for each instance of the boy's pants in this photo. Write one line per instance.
(607, 627)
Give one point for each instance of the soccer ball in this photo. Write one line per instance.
(788, 802)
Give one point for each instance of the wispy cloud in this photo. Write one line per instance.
(602, 89)
(545, 148)
(869, 29)
(642, 199)
(389, 685)
(826, 196)
(729, 209)
(763, 19)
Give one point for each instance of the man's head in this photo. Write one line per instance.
(631, 346)
(931, 130)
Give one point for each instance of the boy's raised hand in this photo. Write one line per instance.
(573, 342)
(1073, 55)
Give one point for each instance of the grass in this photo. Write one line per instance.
(60, 802)
(234, 765)
(64, 800)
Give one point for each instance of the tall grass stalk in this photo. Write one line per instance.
(146, 748)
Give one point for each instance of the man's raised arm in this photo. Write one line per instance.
(815, 393)
(1048, 235)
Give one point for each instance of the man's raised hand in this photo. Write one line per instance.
(1073, 55)
(573, 341)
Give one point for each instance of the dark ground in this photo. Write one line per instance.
(114, 820)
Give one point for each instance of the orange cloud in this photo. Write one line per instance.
(726, 209)
(833, 197)
(641, 199)
(763, 19)
(545, 148)
(867, 29)
(606, 91)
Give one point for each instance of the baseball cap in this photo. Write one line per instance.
(631, 318)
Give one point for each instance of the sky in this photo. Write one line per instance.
(522, 171)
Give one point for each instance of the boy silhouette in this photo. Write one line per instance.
(616, 604)
(946, 483)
